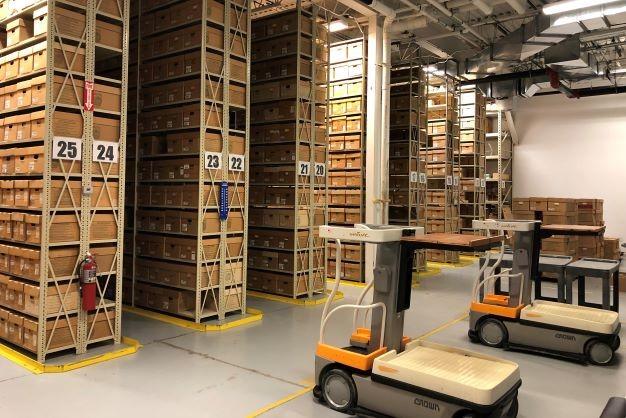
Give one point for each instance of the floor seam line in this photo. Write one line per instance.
(248, 369)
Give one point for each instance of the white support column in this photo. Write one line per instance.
(377, 150)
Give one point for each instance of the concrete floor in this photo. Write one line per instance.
(182, 373)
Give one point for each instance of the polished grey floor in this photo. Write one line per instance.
(236, 373)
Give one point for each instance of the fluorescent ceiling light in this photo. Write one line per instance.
(590, 13)
(337, 25)
(569, 5)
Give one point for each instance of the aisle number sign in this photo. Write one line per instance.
(66, 148)
(236, 162)
(304, 168)
(106, 151)
(320, 169)
(212, 160)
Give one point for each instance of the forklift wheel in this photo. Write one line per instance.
(513, 409)
(492, 333)
(339, 390)
(599, 353)
(317, 392)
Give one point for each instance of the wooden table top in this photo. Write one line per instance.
(456, 242)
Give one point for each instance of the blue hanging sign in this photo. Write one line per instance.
(224, 200)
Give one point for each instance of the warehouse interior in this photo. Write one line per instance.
(313, 208)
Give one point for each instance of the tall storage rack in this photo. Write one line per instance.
(442, 161)
(498, 165)
(472, 124)
(62, 150)
(288, 153)
(407, 139)
(190, 226)
(346, 177)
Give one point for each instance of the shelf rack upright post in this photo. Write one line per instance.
(288, 188)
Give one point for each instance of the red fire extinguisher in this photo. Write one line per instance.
(88, 269)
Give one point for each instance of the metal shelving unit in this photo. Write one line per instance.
(442, 160)
(62, 161)
(498, 165)
(407, 139)
(190, 226)
(346, 188)
(472, 156)
(288, 153)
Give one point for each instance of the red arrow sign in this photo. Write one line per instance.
(88, 96)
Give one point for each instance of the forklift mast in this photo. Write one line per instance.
(526, 249)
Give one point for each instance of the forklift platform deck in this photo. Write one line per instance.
(454, 372)
(571, 316)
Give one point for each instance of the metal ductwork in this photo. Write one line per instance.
(570, 60)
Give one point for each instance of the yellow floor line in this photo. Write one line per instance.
(348, 283)
(443, 326)
(464, 263)
(280, 402)
(38, 368)
(254, 315)
(291, 301)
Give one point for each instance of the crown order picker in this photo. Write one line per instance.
(381, 372)
(515, 321)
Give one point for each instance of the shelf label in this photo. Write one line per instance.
(66, 148)
(236, 162)
(414, 177)
(448, 180)
(483, 183)
(88, 96)
(212, 160)
(320, 169)
(456, 180)
(106, 151)
(476, 182)
(503, 184)
(224, 200)
(304, 168)
(423, 178)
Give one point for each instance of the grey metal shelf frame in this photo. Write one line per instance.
(408, 139)
(347, 181)
(218, 164)
(472, 108)
(304, 193)
(499, 166)
(442, 160)
(77, 187)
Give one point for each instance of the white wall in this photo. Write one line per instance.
(574, 148)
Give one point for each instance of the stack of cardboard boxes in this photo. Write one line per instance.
(570, 212)
(39, 137)
(407, 136)
(472, 108)
(189, 136)
(288, 153)
(346, 177)
(443, 171)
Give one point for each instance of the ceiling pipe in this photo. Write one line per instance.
(485, 8)
(517, 5)
(409, 25)
(449, 14)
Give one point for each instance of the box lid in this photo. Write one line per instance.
(7, 184)
(41, 46)
(15, 23)
(12, 56)
(22, 118)
(16, 319)
(40, 12)
(17, 216)
(38, 115)
(37, 184)
(36, 81)
(33, 150)
(20, 184)
(26, 52)
(32, 219)
(15, 285)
